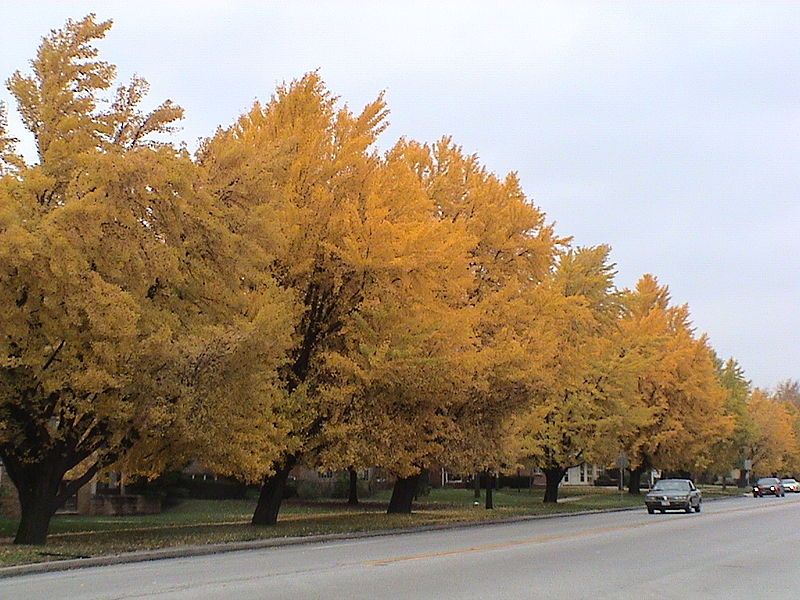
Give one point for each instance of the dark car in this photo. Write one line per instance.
(768, 486)
(673, 494)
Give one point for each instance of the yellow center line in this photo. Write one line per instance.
(539, 539)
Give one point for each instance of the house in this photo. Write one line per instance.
(584, 474)
(95, 498)
(9, 502)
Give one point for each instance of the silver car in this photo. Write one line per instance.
(790, 485)
(673, 494)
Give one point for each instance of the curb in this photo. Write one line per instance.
(223, 548)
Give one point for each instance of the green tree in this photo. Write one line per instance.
(730, 452)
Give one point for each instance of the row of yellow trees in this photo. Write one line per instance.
(766, 425)
(290, 294)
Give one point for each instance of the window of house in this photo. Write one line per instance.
(453, 477)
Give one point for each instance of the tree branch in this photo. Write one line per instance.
(53, 355)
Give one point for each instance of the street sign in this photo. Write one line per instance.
(622, 461)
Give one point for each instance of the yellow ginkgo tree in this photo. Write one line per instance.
(10, 161)
(137, 329)
(350, 233)
(677, 385)
(510, 248)
(729, 452)
(580, 413)
(772, 449)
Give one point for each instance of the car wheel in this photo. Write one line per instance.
(661, 510)
(650, 510)
(688, 508)
(697, 508)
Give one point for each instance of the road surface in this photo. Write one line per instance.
(737, 548)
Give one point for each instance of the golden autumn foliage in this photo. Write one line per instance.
(440, 388)
(773, 446)
(787, 394)
(511, 254)
(10, 161)
(730, 452)
(292, 294)
(580, 413)
(352, 234)
(678, 386)
(129, 311)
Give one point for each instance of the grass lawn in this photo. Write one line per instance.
(213, 521)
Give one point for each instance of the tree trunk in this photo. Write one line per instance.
(743, 479)
(403, 495)
(353, 497)
(34, 522)
(553, 477)
(489, 490)
(271, 495)
(37, 488)
(476, 486)
(635, 484)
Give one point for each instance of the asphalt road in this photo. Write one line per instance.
(737, 548)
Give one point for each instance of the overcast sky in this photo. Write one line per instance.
(670, 131)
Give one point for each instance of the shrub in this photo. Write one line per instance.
(312, 490)
(341, 487)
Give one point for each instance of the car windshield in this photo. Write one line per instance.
(680, 486)
(767, 481)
